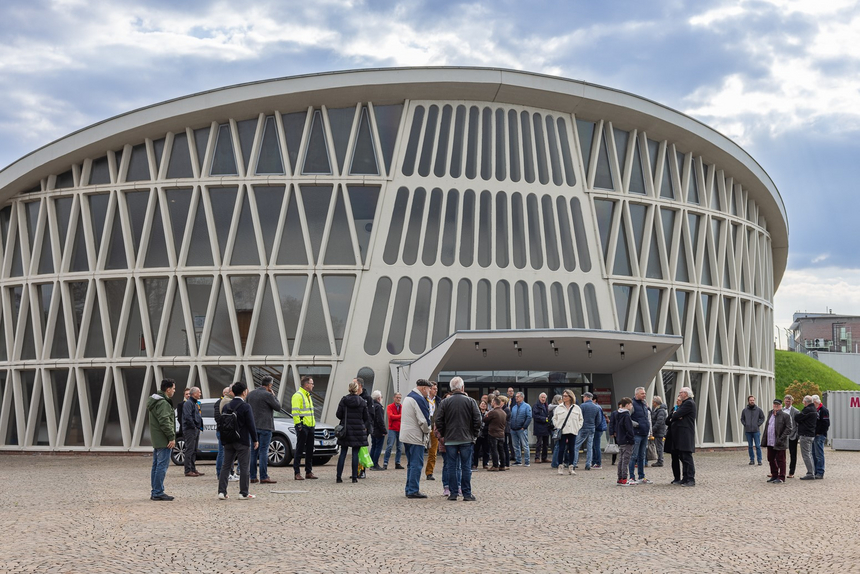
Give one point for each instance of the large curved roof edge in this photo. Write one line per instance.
(14, 173)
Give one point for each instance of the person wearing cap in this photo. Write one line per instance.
(777, 429)
(415, 434)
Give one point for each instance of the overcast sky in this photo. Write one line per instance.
(780, 77)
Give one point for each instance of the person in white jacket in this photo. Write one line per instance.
(568, 418)
(414, 434)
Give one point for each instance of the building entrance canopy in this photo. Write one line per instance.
(633, 359)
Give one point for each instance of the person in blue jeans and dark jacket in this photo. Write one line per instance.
(591, 417)
(597, 452)
(822, 425)
(752, 417)
(641, 416)
(521, 420)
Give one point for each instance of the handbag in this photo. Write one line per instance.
(611, 447)
(651, 451)
(556, 434)
(364, 457)
(340, 429)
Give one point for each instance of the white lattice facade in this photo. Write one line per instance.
(331, 224)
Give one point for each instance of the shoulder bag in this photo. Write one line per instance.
(340, 429)
(556, 434)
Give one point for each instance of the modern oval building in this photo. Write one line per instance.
(515, 229)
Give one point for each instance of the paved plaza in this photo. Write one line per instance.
(92, 514)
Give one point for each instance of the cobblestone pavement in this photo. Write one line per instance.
(93, 514)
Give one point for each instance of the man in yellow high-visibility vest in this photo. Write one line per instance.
(303, 417)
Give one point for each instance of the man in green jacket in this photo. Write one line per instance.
(162, 429)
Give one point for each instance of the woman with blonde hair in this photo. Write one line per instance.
(353, 415)
(567, 420)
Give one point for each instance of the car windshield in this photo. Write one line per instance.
(280, 415)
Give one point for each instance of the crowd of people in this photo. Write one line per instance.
(466, 434)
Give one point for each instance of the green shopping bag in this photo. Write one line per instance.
(364, 457)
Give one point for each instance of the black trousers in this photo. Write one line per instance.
(676, 465)
(342, 459)
(304, 446)
(689, 473)
(541, 447)
(233, 452)
(792, 453)
(191, 438)
(481, 452)
(509, 449)
(497, 451)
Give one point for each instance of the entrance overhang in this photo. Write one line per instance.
(633, 359)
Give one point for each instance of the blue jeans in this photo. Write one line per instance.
(393, 438)
(818, 453)
(754, 438)
(261, 455)
(160, 460)
(414, 466)
(596, 453)
(521, 445)
(555, 450)
(585, 436)
(460, 456)
(219, 460)
(640, 449)
(376, 449)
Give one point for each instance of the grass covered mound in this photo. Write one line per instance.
(790, 367)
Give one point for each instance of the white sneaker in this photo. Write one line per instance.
(222, 496)
(570, 470)
(560, 469)
(233, 478)
(631, 482)
(247, 497)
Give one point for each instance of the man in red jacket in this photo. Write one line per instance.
(394, 414)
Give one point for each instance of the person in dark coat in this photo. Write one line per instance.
(540, 416)
(683, 440)
(353, 415)
(378, 430)
(668, 447)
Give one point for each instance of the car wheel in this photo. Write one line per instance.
(280, 453)
(321, 460)
(177, 455)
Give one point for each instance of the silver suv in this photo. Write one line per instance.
(281, 448)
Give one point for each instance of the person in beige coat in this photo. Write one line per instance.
(567, 425)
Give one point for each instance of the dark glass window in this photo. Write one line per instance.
(98, 212)
(501, 229)
(338, 289)
(414, 140)
(175, 343)
(541, 311)
(485, 230)
(245, 245)
(223, 201)
(387, 125)
(224, 159)
(519, 231)
(413, 229)
(421, 316)
(467, 235)
(294, 125)
(442, 313)
(429, 139)
(339, 250)
(316, 200)
(64, 180)
(540, 148)
(621, 139)
(655, 301)
(431, 237)
(442, 144)
(566, 153)
(549, 233)
(500, 144)
(463, 320)
(179, 164)
(292, 250)
(134, 342)
(622, 253)
(315, 336)
(528, 153)
(603, 176)
(586, 137)
(559, 309)
(378, 313)
(535, 247)
(99, 171)
(486, 144)
(158, 152)
(637, 219)
(591, 307)
(395, 228)
(115, 258)
(472, 145)
(604, 210)
(667, 185)
(269, 159)
(201, 140)
(692, 181)
(514, 145)
(655, 269)
(622, 305)
(521, 304)
(363, 202)
(247, 130)
(364, 155)
(637, 173)
(552, 143)
(483, 305)
(244, 288)
(449, 235)
(138, 165)
(399, 316)
(63, 207)
(269, 200)
(340, 120)
(503, 305)
(457, 143)
(291, 293)
(316, 153)
(564, 227)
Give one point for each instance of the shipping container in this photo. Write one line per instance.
(844, 407)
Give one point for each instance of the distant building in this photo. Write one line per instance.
(825, 332)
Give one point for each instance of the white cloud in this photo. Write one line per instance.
(815, 290)
(799, 87)
(820, 258)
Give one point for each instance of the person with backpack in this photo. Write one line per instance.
(238, 433)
